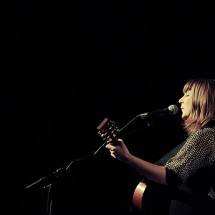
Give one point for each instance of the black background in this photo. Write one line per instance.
(65, 65)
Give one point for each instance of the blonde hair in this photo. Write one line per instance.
(203, 103)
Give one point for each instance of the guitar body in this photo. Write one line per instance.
(138, 196)
(151, 199)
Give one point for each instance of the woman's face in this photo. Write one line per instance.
(186, 103)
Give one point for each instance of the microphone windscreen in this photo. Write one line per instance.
(173, 109)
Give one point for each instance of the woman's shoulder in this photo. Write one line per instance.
(205, 131)
(203, 136)
(209, 127)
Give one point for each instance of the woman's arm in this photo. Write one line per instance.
(153, 172)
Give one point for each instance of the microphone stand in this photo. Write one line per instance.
(50, 180)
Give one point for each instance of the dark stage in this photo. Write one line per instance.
(65, 66)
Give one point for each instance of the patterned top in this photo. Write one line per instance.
(197, 153)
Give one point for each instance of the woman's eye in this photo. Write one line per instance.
(186, 94)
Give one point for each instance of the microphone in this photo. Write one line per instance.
(171, 110)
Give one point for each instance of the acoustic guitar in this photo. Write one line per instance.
(148, 198)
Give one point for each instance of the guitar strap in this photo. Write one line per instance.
(162, 161)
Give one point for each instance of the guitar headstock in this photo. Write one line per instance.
(108, 131)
